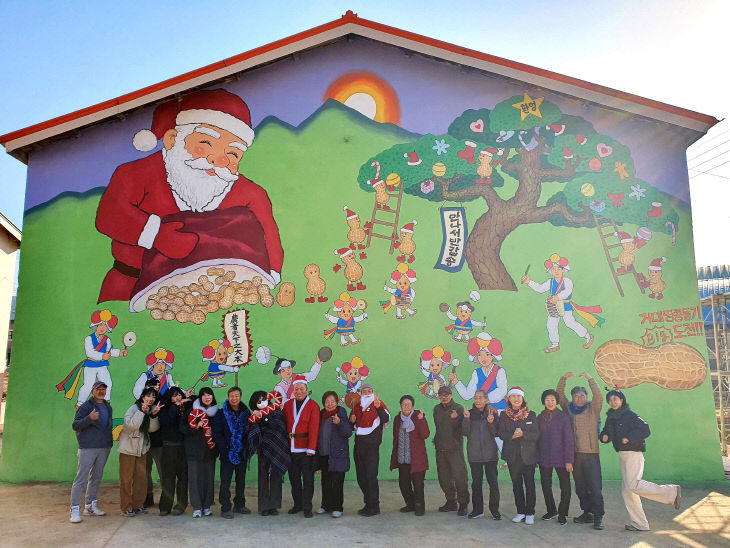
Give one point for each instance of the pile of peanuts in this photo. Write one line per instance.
(194, 302)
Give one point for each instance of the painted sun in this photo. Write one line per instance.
(368, 94)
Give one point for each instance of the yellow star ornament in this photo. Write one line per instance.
(529, 106)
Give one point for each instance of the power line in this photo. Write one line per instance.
(709, 160)
(706, 151)
(713, 174)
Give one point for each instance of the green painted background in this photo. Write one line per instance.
(310, 174)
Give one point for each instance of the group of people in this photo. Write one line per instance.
(297, 437)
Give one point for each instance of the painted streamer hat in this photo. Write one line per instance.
(218, 246)
(162, 355)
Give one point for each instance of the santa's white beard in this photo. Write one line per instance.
(189, 181)
(365, 401)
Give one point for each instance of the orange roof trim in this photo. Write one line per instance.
(351, 23)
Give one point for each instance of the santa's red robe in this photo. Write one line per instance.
(306, 421)
(139, 189)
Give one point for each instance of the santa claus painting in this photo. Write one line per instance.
(184, 209)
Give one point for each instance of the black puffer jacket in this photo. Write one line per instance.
(623, 423)
(481, 445)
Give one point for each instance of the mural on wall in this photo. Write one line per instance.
(530, 140)
(197, 244)
(184, 213)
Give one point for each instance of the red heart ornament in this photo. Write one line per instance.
(477, 126)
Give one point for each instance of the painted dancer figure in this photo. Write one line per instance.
(462, 325)
(159, 363)
(98, 349)
(433, 362)
(559, 304)
(285, 369)
(345, 320)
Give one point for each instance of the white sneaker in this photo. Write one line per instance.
(197, 513)
(321, 511)
(207, 512)
(518, 518)
(75, 514)
(336, 514)
(530, 519)
(93, 510)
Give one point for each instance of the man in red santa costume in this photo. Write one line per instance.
(302, 422)
(369, 418)
(204, 136)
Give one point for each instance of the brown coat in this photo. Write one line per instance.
(585, 425)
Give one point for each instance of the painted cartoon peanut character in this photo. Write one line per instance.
(315, 285)
(655, 284)
(216, 353)
(462, 324)
(626, 257)
(406, 245)
(345, 320)
(485, 169)
(356, 235)
(402, 294)
(674, 365)
(351, 375)
(286, 294)
(353, 270)
(433, 362)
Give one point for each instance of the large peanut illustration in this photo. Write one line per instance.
(674, 365)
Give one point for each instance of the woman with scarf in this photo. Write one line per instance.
(333, 452)
(628, 432)
(174, 464)
(267, 436)
(229, 434)
(556, 450)
(134, 443)
(517, 426)
(410, 432)
(200, 451)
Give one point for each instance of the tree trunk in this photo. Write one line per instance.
(483, 249)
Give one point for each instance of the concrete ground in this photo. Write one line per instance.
(37, 515)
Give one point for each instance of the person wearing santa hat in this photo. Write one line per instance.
(204, 135)
(518, 428)
(302, 421)
(559, 303)
(369, 418)
(98, 349)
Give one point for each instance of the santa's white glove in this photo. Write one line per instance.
(276, 276)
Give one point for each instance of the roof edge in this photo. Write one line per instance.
(349, 23)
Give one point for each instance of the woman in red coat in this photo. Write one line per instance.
(410, 431)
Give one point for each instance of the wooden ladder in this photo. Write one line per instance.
(393, 236)
(601, 224)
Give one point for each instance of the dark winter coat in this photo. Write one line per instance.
(417, 438)
(339, 449)
(196, 447)
(526, 446)
(448, 435)
(90, 434)
(480, 445)
(556, 445)
(170, 418)
(222, 430)
(624, 423)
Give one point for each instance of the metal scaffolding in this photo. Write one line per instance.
(717, 331)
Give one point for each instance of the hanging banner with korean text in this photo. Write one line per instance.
(453, 225)
(235, 328)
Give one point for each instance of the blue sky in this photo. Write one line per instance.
(62, 56)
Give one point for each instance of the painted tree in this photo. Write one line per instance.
(531, 143)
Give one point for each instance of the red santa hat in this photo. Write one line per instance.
(558, 129)
(299, 379)
(580, 139)
(344, 252)
(516, 390)
(567, 153)
(656, 264)
(216, 107)
(105, 317)
(413, 159)
(409, 227)
(160, 355)
(623, 237)
(488, 152)
(349, 214)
